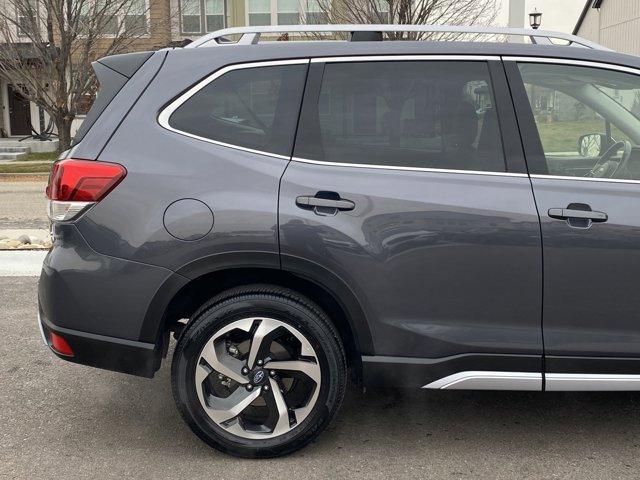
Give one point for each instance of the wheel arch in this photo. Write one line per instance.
(179, 297)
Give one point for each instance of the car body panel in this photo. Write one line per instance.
(433, 257)
(82, 290)
(480, 233)
(591, 274)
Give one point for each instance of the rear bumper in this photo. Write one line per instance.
(98, 304)
(126, 356)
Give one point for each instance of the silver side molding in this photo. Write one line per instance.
(531, 381)
(585, 382)
(489, 381)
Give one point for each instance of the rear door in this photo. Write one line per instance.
(589, 203)
(403, 191)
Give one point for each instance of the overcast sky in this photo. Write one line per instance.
(559, 15)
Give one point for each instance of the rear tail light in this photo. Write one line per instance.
(75, 185)
(60, 345)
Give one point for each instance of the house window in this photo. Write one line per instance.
(214, 10)
(26, 15)
(103, 17)
(135, 18)
(259, 12)
(285, 12)
(202, 16)
(288, 12)
(381, 11)
(315, 14)
(191, 14)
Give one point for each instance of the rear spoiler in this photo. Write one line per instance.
(113, 73)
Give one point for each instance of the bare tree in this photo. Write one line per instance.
(48, 47)
(416, 12)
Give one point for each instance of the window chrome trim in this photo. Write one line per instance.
(165, 114)
(540, 176)
(579, 63)
(388, 58)
(409, 169)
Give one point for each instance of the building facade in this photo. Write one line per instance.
(198, 17)
(166, 23)
(21, 117)
(612, 23)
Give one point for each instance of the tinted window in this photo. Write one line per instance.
(588, 119)
(255, 108)
(425, 114)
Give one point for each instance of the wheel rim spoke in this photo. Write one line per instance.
(282, 426)
(219, 359)
(260, 339)
(224, 409)
(311, 369)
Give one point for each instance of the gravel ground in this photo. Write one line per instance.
(22, 203)
(60, 420)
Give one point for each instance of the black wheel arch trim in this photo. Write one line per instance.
(342, 294)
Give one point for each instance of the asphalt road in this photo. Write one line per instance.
(68, 421)
(22, 203)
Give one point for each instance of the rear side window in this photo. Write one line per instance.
(424, 114)
(255, 108)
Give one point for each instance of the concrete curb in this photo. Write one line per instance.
(21, 263)
(28, 162)
(35, 174)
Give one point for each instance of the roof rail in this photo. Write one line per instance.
(251, 35)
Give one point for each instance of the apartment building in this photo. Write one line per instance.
(198, 17)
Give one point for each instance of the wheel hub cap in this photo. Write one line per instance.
(259, 377)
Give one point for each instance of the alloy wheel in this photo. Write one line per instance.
(258, 378)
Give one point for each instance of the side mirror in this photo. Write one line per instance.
(592, 145)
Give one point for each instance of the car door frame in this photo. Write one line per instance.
(515, 371)
(567, 372)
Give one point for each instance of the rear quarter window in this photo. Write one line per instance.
(255, 108)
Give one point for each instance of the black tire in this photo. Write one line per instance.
(255, 301)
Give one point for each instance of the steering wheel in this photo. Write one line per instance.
(607, 168)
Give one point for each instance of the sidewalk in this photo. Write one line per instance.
(21, 263)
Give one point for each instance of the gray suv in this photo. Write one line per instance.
(437, 215)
